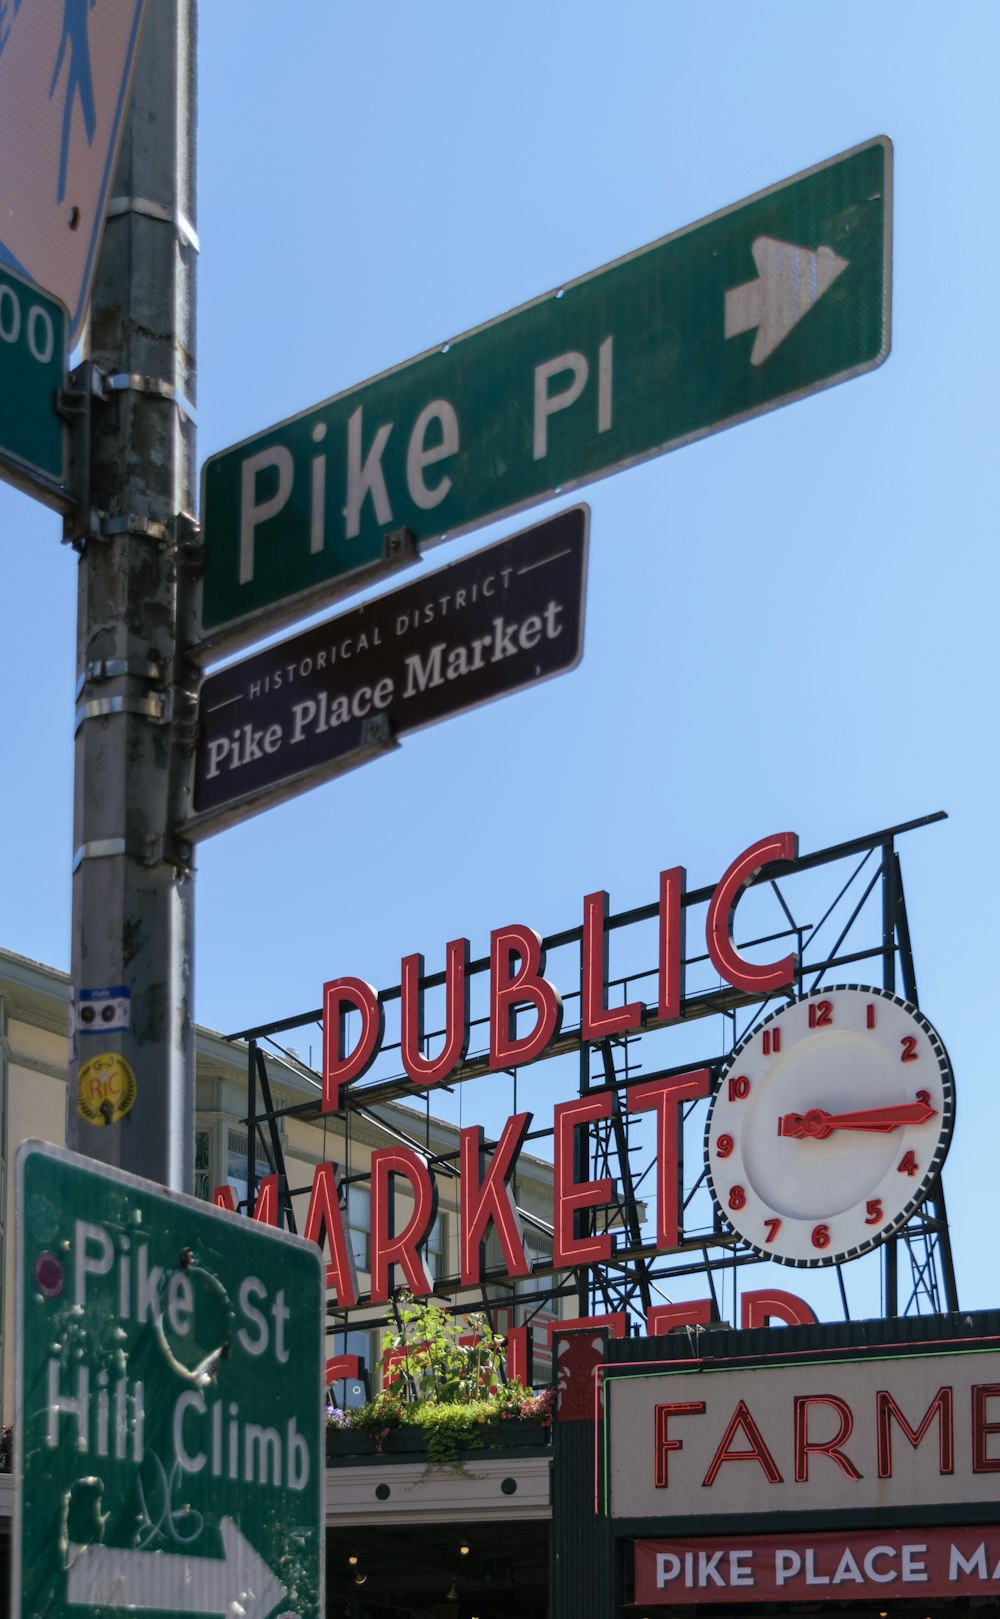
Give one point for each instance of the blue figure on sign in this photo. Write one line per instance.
(79, 79)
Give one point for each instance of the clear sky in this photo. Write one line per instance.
(789, 624)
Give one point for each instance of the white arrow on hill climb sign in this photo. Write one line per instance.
(237, 1582)
(789, 281)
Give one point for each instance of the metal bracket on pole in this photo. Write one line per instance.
(189, 544)
(75, 404)
(130, 523)
(153, 387)
(156, 210)
(148, 852)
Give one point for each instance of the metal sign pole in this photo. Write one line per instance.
(130, 1100)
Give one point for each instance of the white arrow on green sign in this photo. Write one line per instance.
(769, 300)
(169, 1397)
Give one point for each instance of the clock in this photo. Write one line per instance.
(830, 1125)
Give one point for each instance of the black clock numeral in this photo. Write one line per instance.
(772, 1226)
(820, 1014)
(739, 1088)
(874, 1211)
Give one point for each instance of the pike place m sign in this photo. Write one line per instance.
(335, 696)
(169, 1381)
(760, 304)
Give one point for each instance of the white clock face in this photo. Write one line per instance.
(830, 1126)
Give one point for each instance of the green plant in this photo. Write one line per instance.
(431, 1355)
(444, 1374)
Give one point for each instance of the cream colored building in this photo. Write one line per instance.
(34, 1024)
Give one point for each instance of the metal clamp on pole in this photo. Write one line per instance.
(153, 707)
(75, 405)
(148, 851)
(153, 387)
(156, 210)
(188, 542)
(131, 523)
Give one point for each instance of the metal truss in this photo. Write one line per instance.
(862, 936)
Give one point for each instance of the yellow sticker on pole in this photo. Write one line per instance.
(106, 1089)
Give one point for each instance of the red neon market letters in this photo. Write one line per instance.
(573, 1196)
(487, 1196)
(664, 1095)
(324, 1219)
(387, 1248)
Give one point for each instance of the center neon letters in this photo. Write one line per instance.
(518, 984)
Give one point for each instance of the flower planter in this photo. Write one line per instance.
(346, 1445)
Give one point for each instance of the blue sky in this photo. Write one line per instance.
(790, 624)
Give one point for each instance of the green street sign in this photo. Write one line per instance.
(169, 1384)
(769, 300)
(32, 370)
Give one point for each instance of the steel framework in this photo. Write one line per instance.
(857, 888)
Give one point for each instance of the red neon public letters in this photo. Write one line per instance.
(597, 1021)
(671, 976)
(342, 995)
(432, 1070)
(739, 972)
(509, 987)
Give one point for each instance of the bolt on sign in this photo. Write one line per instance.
(760, 304)
(169, 1396)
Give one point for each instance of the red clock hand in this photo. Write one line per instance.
(818, 1124)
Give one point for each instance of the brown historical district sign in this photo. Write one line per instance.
(297, 713)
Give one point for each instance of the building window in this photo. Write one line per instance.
(436, 1250)
(350, 1392)
(359, 1225)
(237, 1166)
(203, 1164)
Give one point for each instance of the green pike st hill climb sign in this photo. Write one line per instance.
(169, 1454)
(775, 297)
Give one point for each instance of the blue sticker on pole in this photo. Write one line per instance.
(103, 1011)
